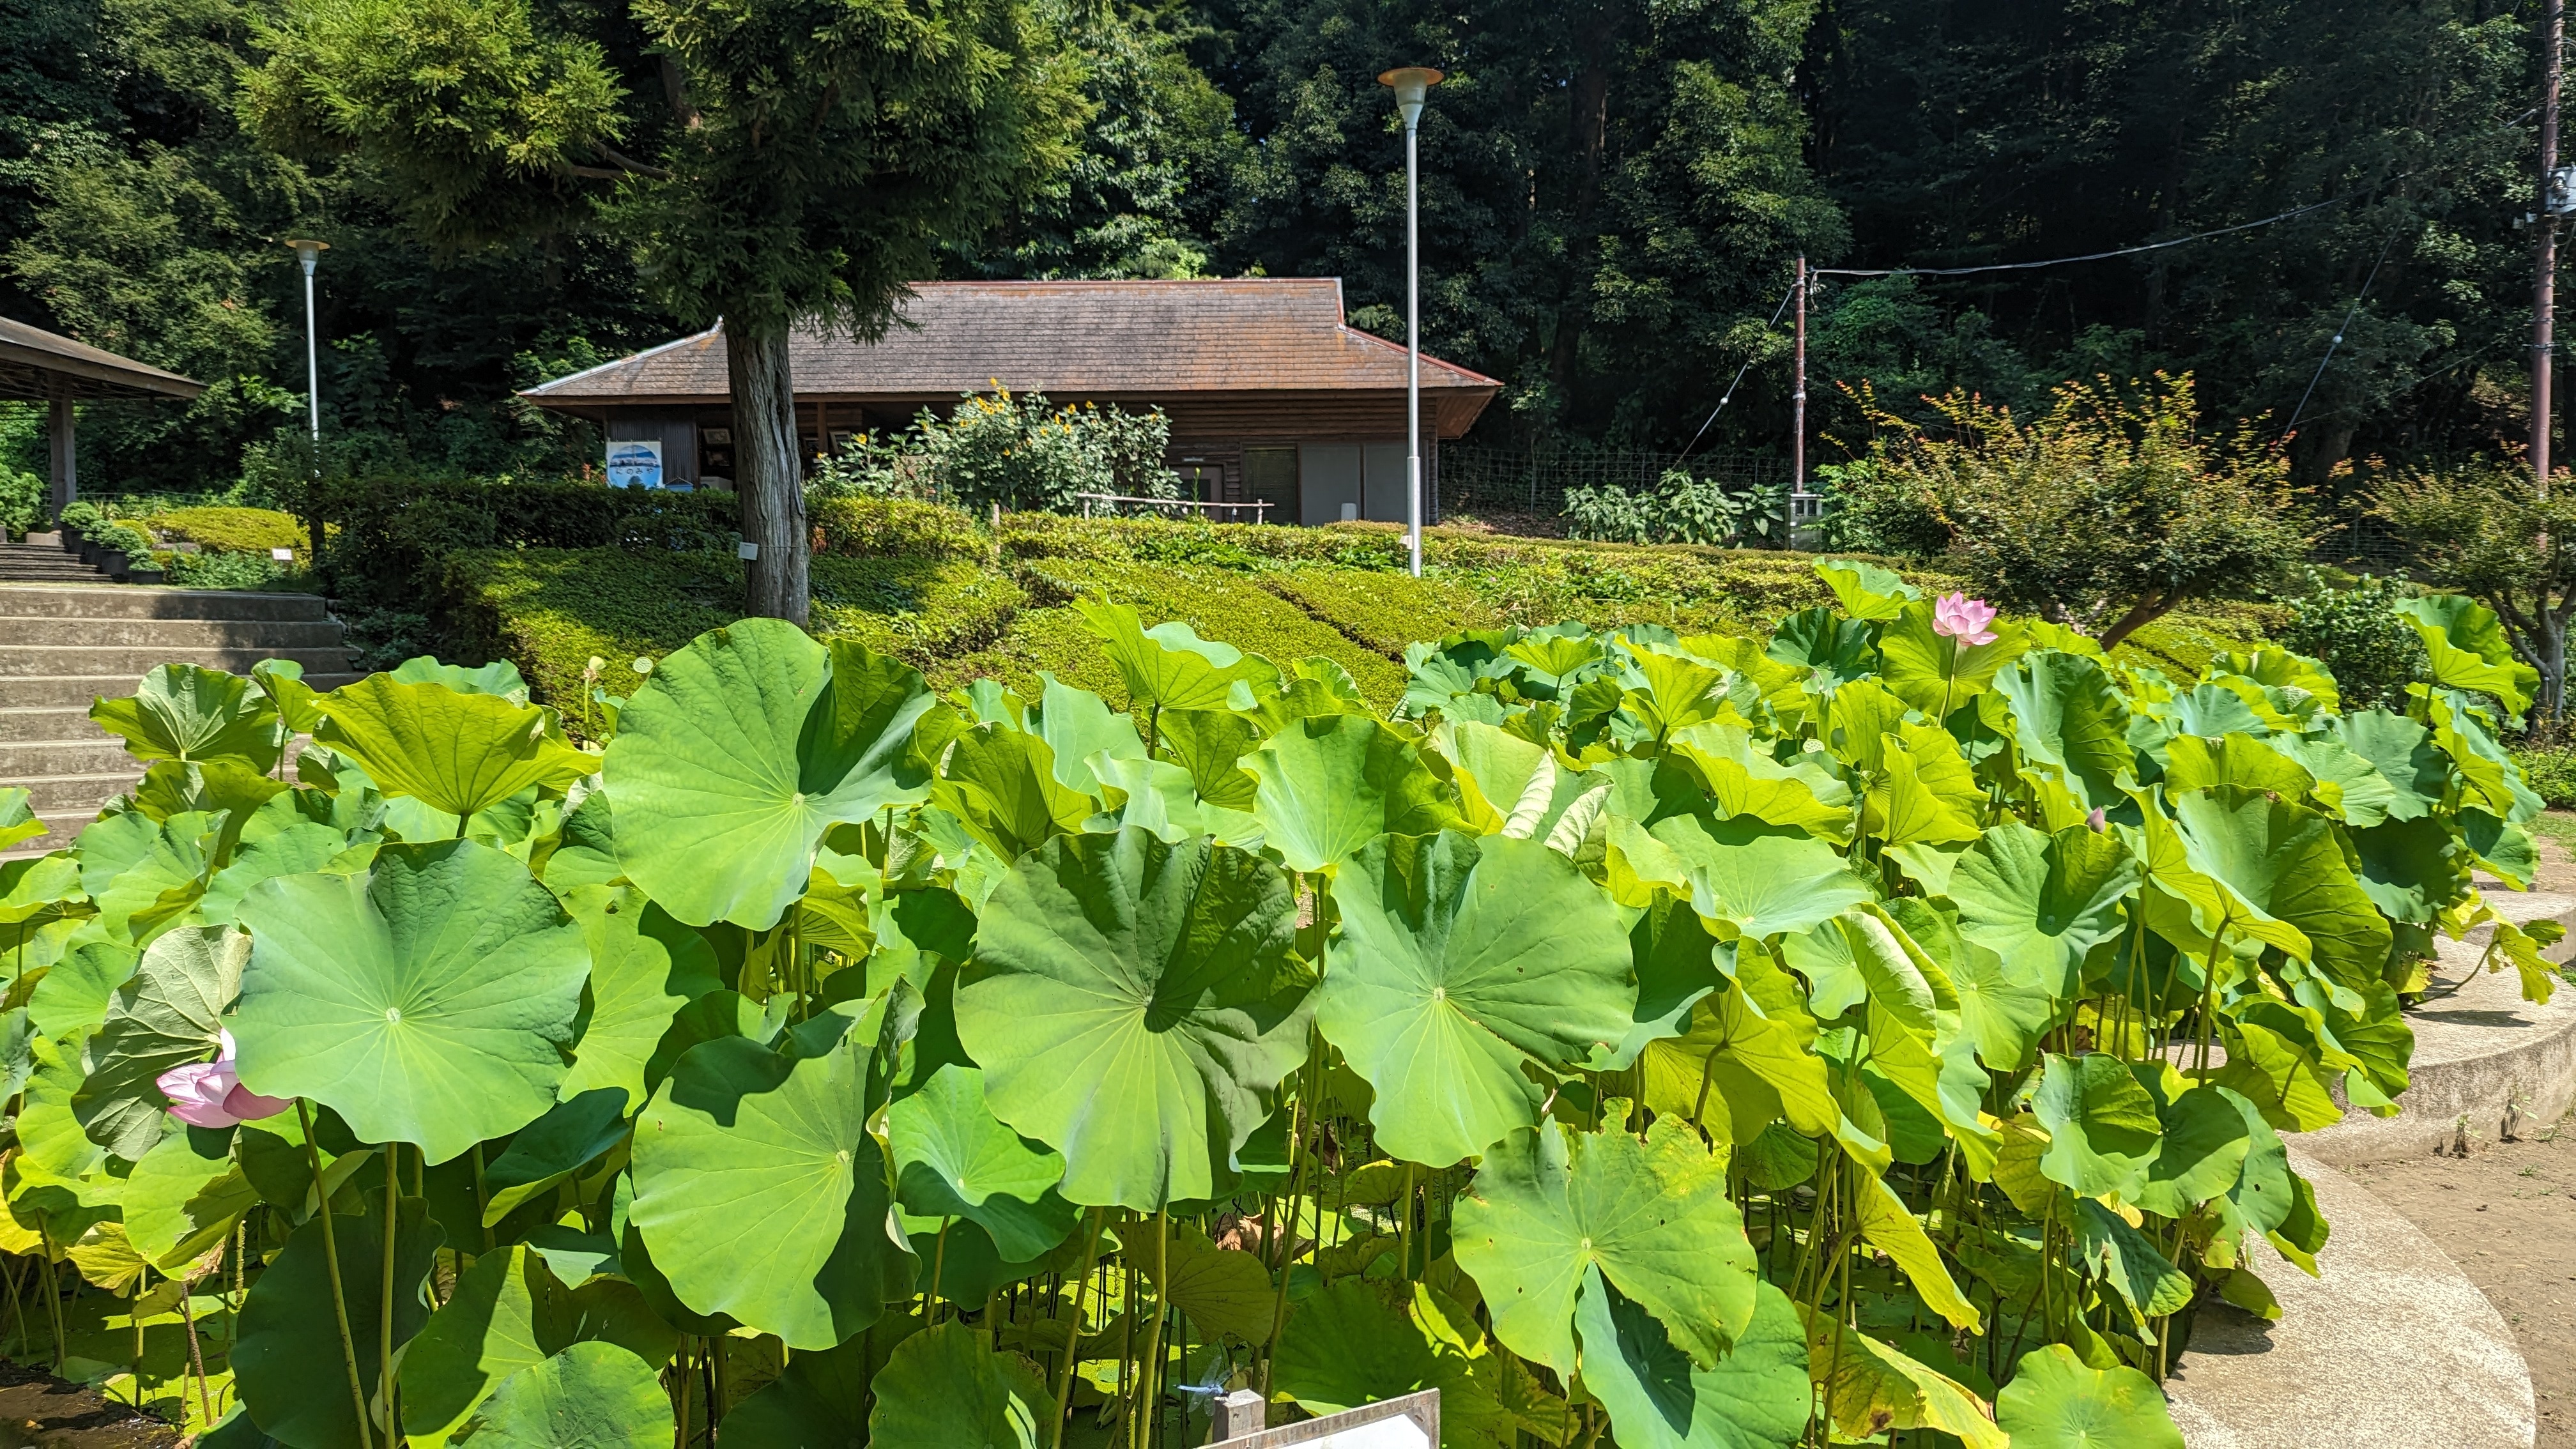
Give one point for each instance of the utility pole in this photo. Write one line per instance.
(1798, 398)
(2544, 291)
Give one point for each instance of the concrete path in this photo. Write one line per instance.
(2392, 1348)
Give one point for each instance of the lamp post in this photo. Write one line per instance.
(1411, 84)
(311, 251)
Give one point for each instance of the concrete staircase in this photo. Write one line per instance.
(40, 559)
(62, 646)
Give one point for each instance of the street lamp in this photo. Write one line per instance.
(1411, 84)
(311, 252)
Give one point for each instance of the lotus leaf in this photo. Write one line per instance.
(1756, 1397)
(2040, 901)
(1874, 1387)
(644, 967)
(162, 1016)
(184, 1197)
(1170, 667)
(590, 1396)
(2055, 1402)
(183, 712)
(763, 1193)
(1754, 881)
(509, 1312)
(956, 1160)
(1129, 1005)
(738, 754)
(1327, 786)
(428, 1001)
(2102, 1125)
(945, 1386)
(453, 752)
(288, 1360)
(1459, 960)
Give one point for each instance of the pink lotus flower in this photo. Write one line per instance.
(210, 1094)
(2096, 820)
(1959, 617)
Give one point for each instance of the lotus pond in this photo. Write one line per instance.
(1885, 1030)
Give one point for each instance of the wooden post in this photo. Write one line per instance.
(66, 469)
(1237, 1414)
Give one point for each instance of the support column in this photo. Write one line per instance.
(66, 471)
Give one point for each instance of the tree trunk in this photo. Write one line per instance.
(769, 473)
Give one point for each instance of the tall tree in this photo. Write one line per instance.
(775, 163)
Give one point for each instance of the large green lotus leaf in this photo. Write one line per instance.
(2412, 870)
(738, 754)
(1756, 1397)
(2345, 784)
(1210, 744)
(184, 1196)
(1346, 1345)
(1874, 1387)
(716, 1014)
(2280, 668)
(2040, 901)
(2284, 863)
(764, 1196)
(2055, 1402)
(145, 875)
(576, 1132)
(2206, 1140)
(183, 712)
(1865, 590)
(1222, 1290)
(590, 1396)
(945, 1386)
(1170, 666)
(821, 1400)
(1758, 882)
(1002, 783)
(1934, 673)
(1745, 784)
(297, 849)
(2195, 763)
(1129, 1007)
(1668, 691)
(1492, 768)
(1753, 1047)
(1858, 720)
(499, 677)
(17, 818)
(1459, 960)
(429, 1001)
(2402, 752)
(1829, 650)
(2124, 1258)
(163, 1016)
(644, 966)
(2069, 719)
(2003, 1008)
(585, 851)
(506, 1313)
(453, 752)
(2486, 770)
(2102, 1126)
(1925, 793)
(78, 992)
(2466, 647)
(1330, 785)
(1550, 1204)
(1077, 724)
(287, 1362)
(955, 1159)
(1679, 963)
(1154, 795)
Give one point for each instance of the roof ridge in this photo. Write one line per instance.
(716, 330)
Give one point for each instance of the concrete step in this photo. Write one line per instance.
(2441, 1370)
(2485, 1059)
(26, 725)
(50, 795)
(19, 661)
(130, 602)
(101, 753)
(42, 567)
(68, 691)
(171, 633)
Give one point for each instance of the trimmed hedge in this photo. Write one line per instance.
(232, 530)
(960, 600)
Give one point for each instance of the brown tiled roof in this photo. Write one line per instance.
(37, 364)
(1141, 339)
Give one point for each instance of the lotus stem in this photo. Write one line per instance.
(339, 1294)
(196, 1355)
(1073, 1335)
(1149, 1390)
(938, 1269)
(385, 1302)
(482, 1199)
(1298, 1158)
(688, 1372)
(53, 1299)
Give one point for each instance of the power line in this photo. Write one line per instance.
(1739, 376)
(2088, 256)
(2355, 311)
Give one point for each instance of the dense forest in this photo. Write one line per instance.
(1614, 195)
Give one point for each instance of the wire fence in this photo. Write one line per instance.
(1535, 479)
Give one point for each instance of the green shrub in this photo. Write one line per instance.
(1014, 449)
(2552, 773)
(212, 570)
(1381, 612)
(2356, 630)
(233, 530)
(895, 528)
(1678, 509)
(22, 502)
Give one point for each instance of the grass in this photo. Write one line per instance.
(960, 601)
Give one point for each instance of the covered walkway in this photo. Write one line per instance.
(39, 366)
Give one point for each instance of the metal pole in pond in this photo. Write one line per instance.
(1411, 83)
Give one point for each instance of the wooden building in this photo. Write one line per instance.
(1272, 397)
(41, 366)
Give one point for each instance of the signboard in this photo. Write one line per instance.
(1411, 1422)
(635, 463)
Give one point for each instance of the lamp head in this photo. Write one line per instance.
(310, 251)
(1411, 82)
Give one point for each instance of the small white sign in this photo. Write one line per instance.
(635, 463)
(746, 551)
(282, 555)
(1411, 1422)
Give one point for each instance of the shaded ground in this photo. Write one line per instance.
(2506, 1214)
(2556, 832)
(39, 1411)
